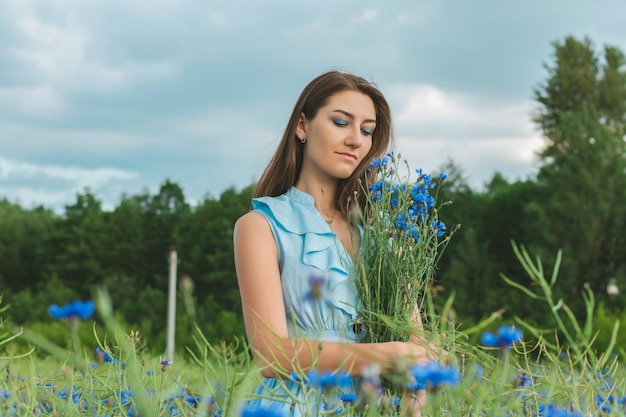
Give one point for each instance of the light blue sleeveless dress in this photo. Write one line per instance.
(318, 287)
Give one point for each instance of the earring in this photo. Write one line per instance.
(303, 140)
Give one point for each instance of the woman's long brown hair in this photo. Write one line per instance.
(284, 168)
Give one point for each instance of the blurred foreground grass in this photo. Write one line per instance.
(554, 372)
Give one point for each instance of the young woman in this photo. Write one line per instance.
(295, 251)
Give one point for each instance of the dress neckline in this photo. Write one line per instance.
(307, 199)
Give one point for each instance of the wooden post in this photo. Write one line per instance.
(171, 306)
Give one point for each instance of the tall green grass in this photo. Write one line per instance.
(553, 372)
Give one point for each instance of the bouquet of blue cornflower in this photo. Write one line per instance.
(403, 240)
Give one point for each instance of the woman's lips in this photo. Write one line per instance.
(347, 155)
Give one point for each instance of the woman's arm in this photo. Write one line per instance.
(256, 262)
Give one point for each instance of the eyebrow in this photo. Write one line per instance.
(352, 116)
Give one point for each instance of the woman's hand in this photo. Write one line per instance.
(419, 351)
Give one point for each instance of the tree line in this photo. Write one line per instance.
(576, 202)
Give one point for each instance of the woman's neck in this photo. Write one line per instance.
(324, 195)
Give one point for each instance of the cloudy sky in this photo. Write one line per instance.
(120, 95)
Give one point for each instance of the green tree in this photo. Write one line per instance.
(206, 251)
(22, 235)
(583, 176)
(163, 216)
(124, 257)
(74, 249)
(464, 266)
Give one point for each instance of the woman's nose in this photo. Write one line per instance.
(355, 138)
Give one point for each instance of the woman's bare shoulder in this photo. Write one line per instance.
(253, 227)
(251, 221)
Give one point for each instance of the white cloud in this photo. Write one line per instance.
(480, 134)
(426, 107)
(80, 176)
(57, 58)
(62, 54)
(53, 185)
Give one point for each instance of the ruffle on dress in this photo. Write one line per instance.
(295, 213)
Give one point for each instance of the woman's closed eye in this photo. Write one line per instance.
(340, 122)
(367, 131)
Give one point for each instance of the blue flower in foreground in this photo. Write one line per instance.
(261, 412)
(78, 308)
(524, 380)
(434, 374)
(552, 411)
(327, 380)
(347, 398)
(506, 337)
(104, 355)
(443, 176)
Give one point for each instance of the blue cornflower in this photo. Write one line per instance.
(4, 394)
(77, 309)
(62, 393)
(394, 401)
(327, 380)
(434, 374)
(125, 397)
(506, 337)
(193, 400)
(413, 232)
(553, 411)
(419, 197)
(439, 227)
(347, 398)
(443, 177)
(380, 162)
(104, 355)
(604, 404)
(376, 196)
(426, 178)
(418, 212)
(415, 386)
(261, 412)
(376, 187)
(401, 222)
(418, 188)
(524, 380)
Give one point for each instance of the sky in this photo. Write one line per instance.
(117, 96)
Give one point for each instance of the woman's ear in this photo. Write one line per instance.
(301, 127)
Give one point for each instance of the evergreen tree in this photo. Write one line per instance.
(74, 249)
(583, 176)
(22, 233)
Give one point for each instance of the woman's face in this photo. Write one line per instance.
(339, 136)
